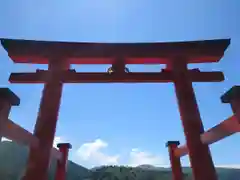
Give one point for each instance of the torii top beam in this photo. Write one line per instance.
(39, 52)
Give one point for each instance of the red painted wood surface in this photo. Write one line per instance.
(199, 153)
(118, 54)
(39, 158)
(20, 135)
(175, 160)
(215, 134)
(7, 100)
(39, 52)
(73, 77)
(235, 104)
(61, 169)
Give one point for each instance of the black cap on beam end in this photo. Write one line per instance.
(68, 145)
(231, 94)
(172, 143)
(7, 95)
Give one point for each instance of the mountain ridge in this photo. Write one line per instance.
(14, 157)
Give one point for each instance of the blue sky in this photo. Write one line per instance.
(125, 123)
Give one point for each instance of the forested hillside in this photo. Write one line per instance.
(13, 159)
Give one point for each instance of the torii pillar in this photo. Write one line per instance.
(39, 158)
(199, 153)
(62, 163)
(7, 100)
(174, 160)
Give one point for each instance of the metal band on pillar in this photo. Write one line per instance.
(62, 163)
(200, 157)
(232, 96)
(7, 100)
(174, 160)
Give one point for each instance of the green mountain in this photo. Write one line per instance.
(13, 160)
(130, 173)
(223, 173)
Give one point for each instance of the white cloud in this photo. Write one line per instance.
(138, 157)
(6, 139)
(57, 140)
(91, 152)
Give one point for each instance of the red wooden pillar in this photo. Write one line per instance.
(39, 158)
(7, 100)
(232, 96)
(175, 161)
(62, 163)
(199, 153)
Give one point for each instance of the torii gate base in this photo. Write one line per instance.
(59, 55)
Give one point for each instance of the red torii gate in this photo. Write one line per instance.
(59, 56)
(224, 129)
(16, 133)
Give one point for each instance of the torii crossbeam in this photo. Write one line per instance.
(59, 56)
